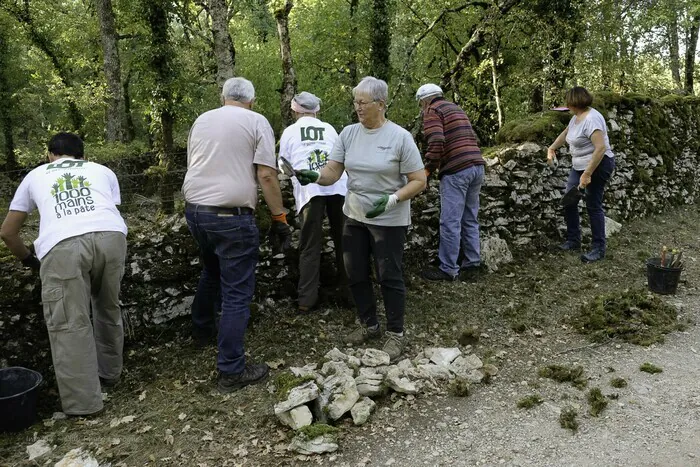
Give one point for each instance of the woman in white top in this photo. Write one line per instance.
(593, 163)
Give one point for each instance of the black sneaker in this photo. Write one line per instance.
(570, 245)
(251, 374)
(437, 275)
(470, 274)
(109, 382)
(594, 255)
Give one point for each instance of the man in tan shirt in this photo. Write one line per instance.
(230, 150)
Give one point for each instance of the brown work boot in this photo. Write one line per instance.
(362, 334)
(394, 345)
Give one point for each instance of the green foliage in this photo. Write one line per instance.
(618, 383)
(315, 430)
(597, 401)
(541, 128)
(650, 368)
(568, 419)
(286, 381)
(460, 387)
(634, 316)
(562, 374)
(530, 401)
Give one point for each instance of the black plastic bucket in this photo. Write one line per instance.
(19, 388)
(662, 280)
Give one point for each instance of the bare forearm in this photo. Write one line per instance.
(561, 139)
(272, 194)
(597, 156)
(330, 174)
(16, 245)
(411, 189)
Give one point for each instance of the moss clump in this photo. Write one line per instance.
(315, 430)
(563, 374)
(285, 382)
(597, 401)
(460, 387)
(542, 127)
(567, 419)
(618, 383)
(469, 336)
(530, 401)
(634, 316)
(650, 368)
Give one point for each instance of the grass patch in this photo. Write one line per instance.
(469, 336)
(460, 387)
(530, 401)
(285, 382)
(597, 401)
(568, 419)
(650, 368)
(618, 383)
(315, 430)
(564, 374)
(634, 316)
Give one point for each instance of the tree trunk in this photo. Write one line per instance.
(161, 56)
(5, 109)
(289, 79)
(352, 64)
(116, 110)
(496, 87)
(691, 44)
(380, 31)
(223, 45)
(129, 130)
(672, 37)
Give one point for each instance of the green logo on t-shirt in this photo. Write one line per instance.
(317, 159)
(312, 133)
(72, 194)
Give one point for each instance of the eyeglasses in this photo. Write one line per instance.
(361, 104)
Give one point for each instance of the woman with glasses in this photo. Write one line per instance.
(385, 171)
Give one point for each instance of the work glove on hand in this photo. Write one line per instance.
(383, 204)
(306, 176)
(31, 261)
(280, 234)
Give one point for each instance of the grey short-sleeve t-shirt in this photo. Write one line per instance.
(579, 138)
(376, 162)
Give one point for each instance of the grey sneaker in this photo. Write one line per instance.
(394, 345)
(251, 374)
(362, 334)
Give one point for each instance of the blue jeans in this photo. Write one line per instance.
(594, 204)
(459, 224)
(228, 249)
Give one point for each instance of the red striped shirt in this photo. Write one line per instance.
(451, 140)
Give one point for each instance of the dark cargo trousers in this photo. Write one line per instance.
(311, 243)
(79, 274)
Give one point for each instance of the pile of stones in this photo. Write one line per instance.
(314, 396)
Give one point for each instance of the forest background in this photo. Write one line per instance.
(131, 76)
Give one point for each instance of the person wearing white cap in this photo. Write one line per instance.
(306, 145)
(453, 151)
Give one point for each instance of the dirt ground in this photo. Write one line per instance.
(523, 312)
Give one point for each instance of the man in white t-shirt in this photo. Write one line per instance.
(80, 253)
(306, 145)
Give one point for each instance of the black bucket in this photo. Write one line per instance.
(662, 280)
(19, 388)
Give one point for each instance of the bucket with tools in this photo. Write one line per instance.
(664, 272)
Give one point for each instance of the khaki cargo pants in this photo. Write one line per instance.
(79, 274)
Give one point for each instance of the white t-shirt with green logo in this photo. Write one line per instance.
(306, 146)
(73, 197)
(376, 162)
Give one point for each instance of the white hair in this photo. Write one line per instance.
(239, 90)
(375, 88)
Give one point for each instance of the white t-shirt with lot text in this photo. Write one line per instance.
(306, 145)
(73, 197)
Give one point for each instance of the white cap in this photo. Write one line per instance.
(428, 90)
(307, 101)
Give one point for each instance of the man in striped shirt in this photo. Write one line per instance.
(453, 152)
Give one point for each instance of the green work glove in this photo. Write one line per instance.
(383, 204)
(306, 176)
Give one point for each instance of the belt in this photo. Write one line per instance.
(239, 211)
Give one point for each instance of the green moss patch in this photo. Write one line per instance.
(315, 430)
(285, 382)
(469, 336)
(530, 401)
(563, 374)
(650, 368)
(460, 387)
(542, 128)
(597, 401)
(618, 383)
(568, 419)
(634, 316)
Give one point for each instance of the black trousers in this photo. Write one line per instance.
(311, 243)
(386, 244)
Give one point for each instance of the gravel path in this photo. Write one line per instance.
(654, 422)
